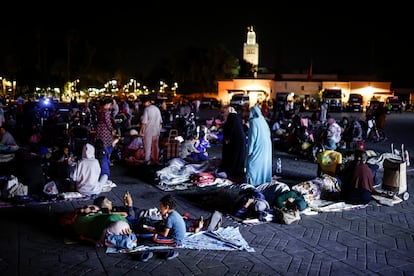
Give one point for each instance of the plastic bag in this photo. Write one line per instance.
(50, 188)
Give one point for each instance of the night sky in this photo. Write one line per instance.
(347, 40)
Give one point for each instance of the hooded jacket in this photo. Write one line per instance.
(259, 149)
(87, 171)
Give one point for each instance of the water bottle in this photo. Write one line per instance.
(279, 165)
(407, 158)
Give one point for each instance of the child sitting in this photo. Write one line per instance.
(190, 153)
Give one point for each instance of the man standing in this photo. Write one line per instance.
(324, 111)
(151, 124)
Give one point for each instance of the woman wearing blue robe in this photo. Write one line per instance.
(259, 149)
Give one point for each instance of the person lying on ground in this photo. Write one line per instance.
(252, 204)
(90, 224)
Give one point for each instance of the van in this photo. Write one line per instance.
(281, 100)
(240, 100)
(333, 97)
(393, 104)
(355, 103)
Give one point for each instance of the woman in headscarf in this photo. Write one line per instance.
(233, 155)
(259, 149)
(86, 174)
(358, 180)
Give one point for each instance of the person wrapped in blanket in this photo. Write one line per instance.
(252, 204)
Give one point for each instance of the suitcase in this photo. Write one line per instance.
(171, 147)
(395, 176)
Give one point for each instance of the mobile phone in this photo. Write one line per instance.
(148, 227)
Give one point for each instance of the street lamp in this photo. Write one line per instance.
(133, 82)
(75, 83)
(161, 86)
(175, 88)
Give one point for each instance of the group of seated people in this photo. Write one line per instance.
(193, 149)
(357, 178)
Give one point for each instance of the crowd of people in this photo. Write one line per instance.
(247, 148)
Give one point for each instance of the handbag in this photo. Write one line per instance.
(285, 215)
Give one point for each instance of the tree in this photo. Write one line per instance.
(197, 69)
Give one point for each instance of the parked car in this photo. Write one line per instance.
(355, 103)
(240, 100)
(394, 104)
(209, 103)
(374, 104)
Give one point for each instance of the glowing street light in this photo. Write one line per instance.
(133, 82)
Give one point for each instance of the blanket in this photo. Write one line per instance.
(167, 187)
(323, 206)
(32, 200)
(176, 175)
(228, 238)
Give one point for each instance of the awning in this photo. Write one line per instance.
(236, 91)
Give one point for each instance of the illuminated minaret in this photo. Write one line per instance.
(251, 50)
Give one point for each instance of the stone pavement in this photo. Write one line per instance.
(376, 240)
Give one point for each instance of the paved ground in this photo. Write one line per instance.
(377, 240)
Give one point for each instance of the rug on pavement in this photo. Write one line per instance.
(32, 200)
(323, 206)
(225, 238)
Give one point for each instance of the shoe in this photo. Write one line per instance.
(145, 256)
(171, 254)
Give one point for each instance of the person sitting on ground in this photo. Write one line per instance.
(189, 152)
(329, 162)
(201, 144)
(86, 174)
(6, 138)
(174, 228)
(63, 164)
(134, 149)
(358, 180)
(334, 134)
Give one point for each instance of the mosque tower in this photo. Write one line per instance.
(251, 50)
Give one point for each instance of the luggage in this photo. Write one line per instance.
(395, 176)
(171, 147)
